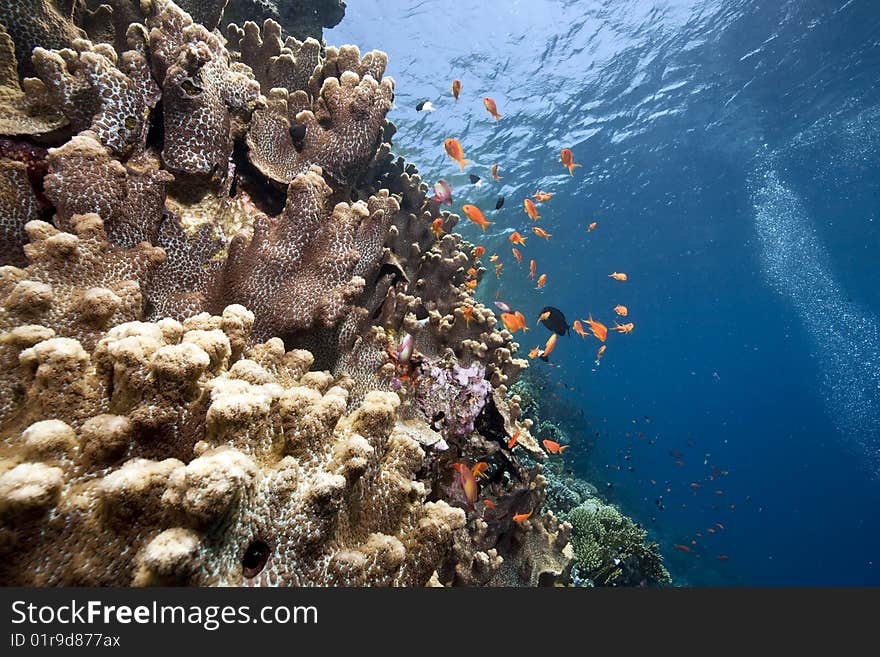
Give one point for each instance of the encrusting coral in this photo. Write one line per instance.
(232, 350)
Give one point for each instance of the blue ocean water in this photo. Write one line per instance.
(730, 153)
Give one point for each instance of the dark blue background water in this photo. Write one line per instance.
(730, 155)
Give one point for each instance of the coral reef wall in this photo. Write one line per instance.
(233, 350)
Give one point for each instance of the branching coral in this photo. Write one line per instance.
(297, 272)
(611, 550)
(285, 64)
(301, 18)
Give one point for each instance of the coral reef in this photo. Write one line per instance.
(233, 350)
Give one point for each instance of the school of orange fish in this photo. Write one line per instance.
(514, 320)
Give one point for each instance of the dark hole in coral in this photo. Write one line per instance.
(233, 188)
(255, 557)
(267, 197)
(190, 88)
(421, 312)
(149, 308)
(355, 197)
(393, 270)
(156, 131)
(298, 135)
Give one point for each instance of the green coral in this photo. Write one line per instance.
(611, 550)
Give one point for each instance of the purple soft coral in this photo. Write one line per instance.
(452, 396)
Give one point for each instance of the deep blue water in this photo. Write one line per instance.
(730, 154)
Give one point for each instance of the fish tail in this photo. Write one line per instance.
(461, 164)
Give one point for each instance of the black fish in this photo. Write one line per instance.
(474, 178)
(298, 133)
(420, 106)
(555, 321)
(425, 105)
(499, 203)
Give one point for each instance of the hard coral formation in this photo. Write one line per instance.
(152, 430)
(160, 458)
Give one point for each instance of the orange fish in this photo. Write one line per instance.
(533, 268)
(456, 152)
(473, 213)
(468, 482)
(711, 530)
(495, 173)
(456, 89)
(478, 252)
(479, 470)
(617, 276)
(491, 108)
(511, 322)
(682, 548)
(592, 226)
(468, 312)
(522, 517)
(540, 232)
(566, 158)
(471, 272)
(531, 209)
(516, 238)
(719, 525)
(579, 328)
(543, 316)
(498, 269)
(470, 284)
(517, 255)
(493, 258)
(621, 310)
(598, 329)
(722, 557)
(534, 353)
(489, 504)
(600, 353)
(513, 439)
(542, 280)
(624, 328)
(550, 346)
(540, 197)
(554, 447)
(522, 320)
(437, 227)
